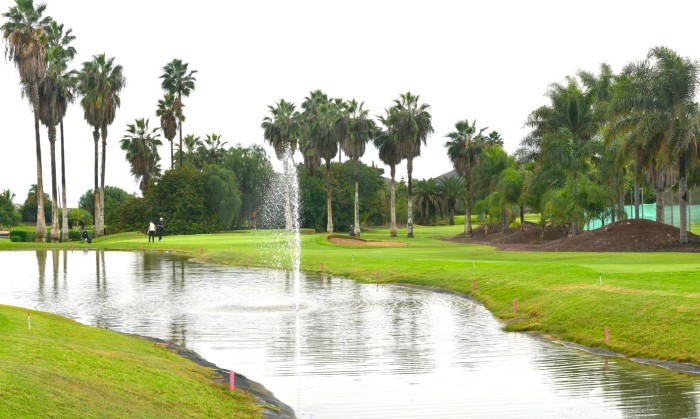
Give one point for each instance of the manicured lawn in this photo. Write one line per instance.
(60, 368)
(650, 302)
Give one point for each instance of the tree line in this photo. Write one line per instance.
(598, 136)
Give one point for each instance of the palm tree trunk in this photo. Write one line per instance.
(636, 189)
(409, 226)
(54, 187)
(682, 200)
(96, 138)
(40, 233)
(329, 203)
(357, 196)
(179, 127)
(660, 216)
(172, 164)
(64, 228)
(621, 205)
(468, 204)
(504, 221)
(393, 201)
(102, 181)
(522, 217)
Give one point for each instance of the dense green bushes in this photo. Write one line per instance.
(190, 201)
(21, 235)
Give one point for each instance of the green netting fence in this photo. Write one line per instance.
(671, 210)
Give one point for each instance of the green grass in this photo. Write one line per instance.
(61, 368)
(649, 301)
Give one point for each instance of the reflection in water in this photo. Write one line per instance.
(351, 350)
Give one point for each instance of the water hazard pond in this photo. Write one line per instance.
(352, 350)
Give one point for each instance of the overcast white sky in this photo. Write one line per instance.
(490, 61)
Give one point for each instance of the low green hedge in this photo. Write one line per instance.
(21, 235)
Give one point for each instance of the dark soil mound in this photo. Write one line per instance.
(627, 236)
(622, 236)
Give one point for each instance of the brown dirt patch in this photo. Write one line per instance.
(359, 242)
(622, 236)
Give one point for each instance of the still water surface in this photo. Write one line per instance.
(352, 350)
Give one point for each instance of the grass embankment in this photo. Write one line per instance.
(650, 302)
(64, 369)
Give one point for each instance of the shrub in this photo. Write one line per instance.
(20, 235)
(74, 235)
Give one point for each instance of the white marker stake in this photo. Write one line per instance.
(601, 279)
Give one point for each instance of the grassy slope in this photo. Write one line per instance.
(649, 301)
(62, 368)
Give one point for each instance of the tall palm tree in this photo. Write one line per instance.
(24, 32)
(55, 93)
(178, 81)
(387, 145)
(282, 131)
(320, 137)
(100, 82)
(464, 147)
(356, 130)
(141, 146)
(168, 120)
(411, 122)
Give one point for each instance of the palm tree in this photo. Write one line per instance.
(452, 192)
(213, 149)
(100, 83)
(429, 203)
(282, 132)
(321, 135)
(660, 112)
(168, 120)
(26, 40)
(179, 82)
(412, 124)
(356, 130)
(464, 147)
(389, 154)
(189, 156)
(55, 93)
(141, 146)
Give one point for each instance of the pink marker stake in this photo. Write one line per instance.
(607, 336)
(377, 276)
(231, 381)
(515, 306)
(474, 285)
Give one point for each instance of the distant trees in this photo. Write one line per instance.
(8, 213)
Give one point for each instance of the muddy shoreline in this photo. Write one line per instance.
(272, 407)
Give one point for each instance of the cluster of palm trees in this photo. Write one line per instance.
(599, 131)
(41, 51)
(141, 143)
(326, 125)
